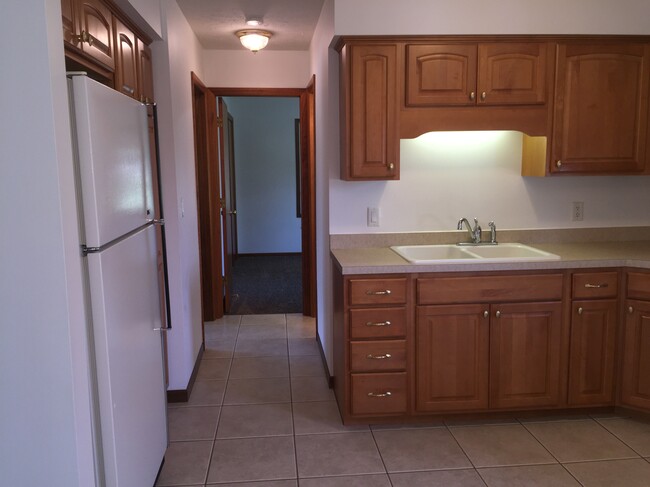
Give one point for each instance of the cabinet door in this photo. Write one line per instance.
(145, 73)
(452, 358)
(67, 14)
(512, 73)
(635, 390)
(94, 20)
(591, 359)
(525, 344)
(126, 60)
(601, 108)
(440, 75)
(372, 140)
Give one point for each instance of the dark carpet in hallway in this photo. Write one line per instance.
(267, 284)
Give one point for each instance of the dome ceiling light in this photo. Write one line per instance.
(254, 39)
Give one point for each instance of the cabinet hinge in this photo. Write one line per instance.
(219, 122)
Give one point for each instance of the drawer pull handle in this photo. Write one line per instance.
(596, 286)
(378, 323)
(380, 394)
(378, 357)
(378, 293)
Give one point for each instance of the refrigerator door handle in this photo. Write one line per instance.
(159, 221)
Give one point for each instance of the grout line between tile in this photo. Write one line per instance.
(617, 437)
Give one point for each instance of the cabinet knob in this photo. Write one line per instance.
(498, 314)
(84, 37)
(486, 314)
(630, 310)
(558, 163)
(483, 96)
(580, 310)
(472, 96)
(391, 166)
(380, 394)
(232, 212)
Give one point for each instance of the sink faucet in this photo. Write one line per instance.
(474, 233)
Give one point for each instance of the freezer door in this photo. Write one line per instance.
(114, 161)
(125, 311)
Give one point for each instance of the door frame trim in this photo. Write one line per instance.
(308, 166)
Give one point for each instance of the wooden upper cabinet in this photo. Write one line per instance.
(145, 73)
(601, 108)
(441, 74)
(369, 112)
(68, 18)
(499, 73)
(126, 60)
(95, 31)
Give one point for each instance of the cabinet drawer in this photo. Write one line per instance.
(638, 285)
(489, 289)
(377, 291)
(378, 323)
(378, 356)
(595, 285)
(375, 394)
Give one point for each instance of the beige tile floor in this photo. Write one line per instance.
(261, 414)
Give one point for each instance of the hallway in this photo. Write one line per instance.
(261, 414)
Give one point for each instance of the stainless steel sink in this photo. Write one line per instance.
(440, 254)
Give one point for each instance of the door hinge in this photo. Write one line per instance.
(219, 122)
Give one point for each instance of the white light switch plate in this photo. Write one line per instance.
(373, 217)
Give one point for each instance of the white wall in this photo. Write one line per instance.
(173, 60)
(324, 64)
(446, 176)
(386, 17)
(44, 412)
(265, 160)
(264, 69)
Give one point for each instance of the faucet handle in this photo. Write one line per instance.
(493, 232)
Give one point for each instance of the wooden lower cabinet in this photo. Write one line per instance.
(525, 354)
(635, 387)
(452, 353)
(592, 350)
(378, 394)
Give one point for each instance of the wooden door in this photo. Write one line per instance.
(601, 108)
(372, 139)
(226, 208)
(95, 27)
(452, 358)
(126, 60)
(145, 73)
(512, 73)
(635, 390)
(207, 184)
(592, 348)
(441, 75)
(525, 342)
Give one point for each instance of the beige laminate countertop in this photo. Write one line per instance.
(382, 260)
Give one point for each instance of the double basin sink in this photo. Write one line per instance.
(472, 254)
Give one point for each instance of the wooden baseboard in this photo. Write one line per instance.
(183, 395)
(330, 379)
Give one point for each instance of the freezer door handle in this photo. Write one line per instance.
(161, 329)
(160, 221)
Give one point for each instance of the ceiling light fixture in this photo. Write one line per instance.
(253, 39)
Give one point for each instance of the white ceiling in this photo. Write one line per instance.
(292, 22)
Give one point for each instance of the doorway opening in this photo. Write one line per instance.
(262, 148)
(221, 206)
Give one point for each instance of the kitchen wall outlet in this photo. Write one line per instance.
(373, 217)
(578, 211)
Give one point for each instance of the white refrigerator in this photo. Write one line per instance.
(117, 225)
